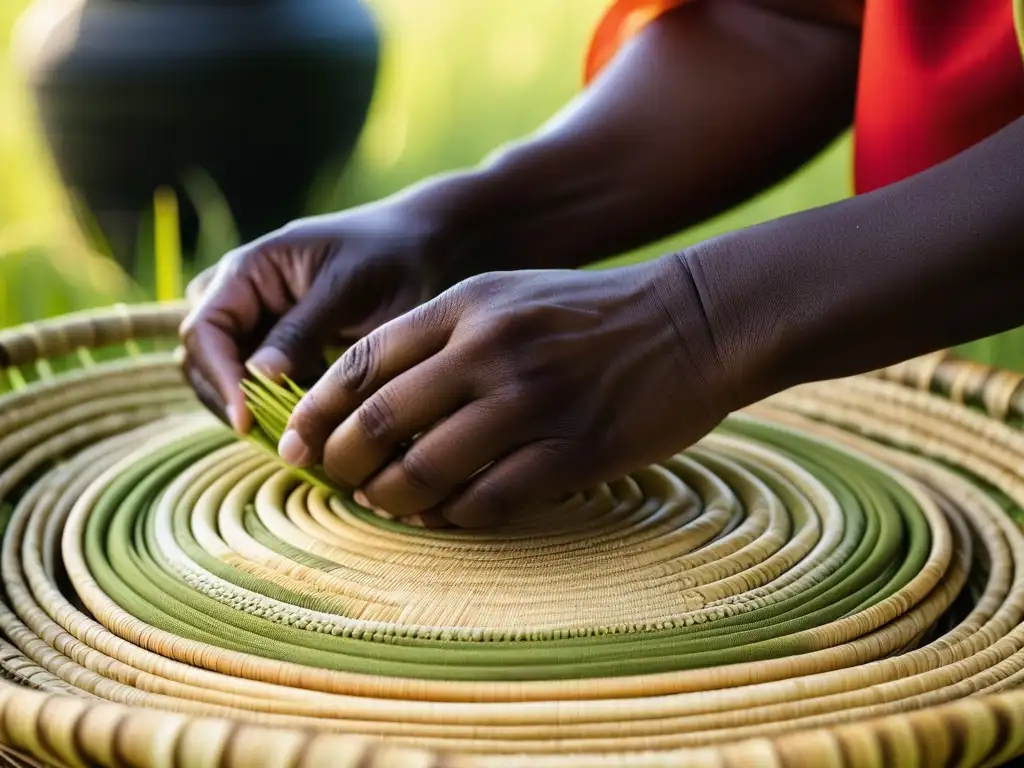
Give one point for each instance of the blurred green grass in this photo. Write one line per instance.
(506, 67)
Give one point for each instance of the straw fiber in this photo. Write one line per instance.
(835, 577)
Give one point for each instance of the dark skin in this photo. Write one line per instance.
(534, 379)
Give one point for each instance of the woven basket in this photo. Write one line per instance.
(835, 577)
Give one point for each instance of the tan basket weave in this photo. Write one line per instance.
(834, 578)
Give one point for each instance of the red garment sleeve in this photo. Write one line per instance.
(934, 79)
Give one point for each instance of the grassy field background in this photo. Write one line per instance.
(459, 78)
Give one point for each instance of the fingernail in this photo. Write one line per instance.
(232, 412)
(270, 362)
(360, 499)
(433, 518)
(293, 450)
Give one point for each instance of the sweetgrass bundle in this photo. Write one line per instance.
(271, 404)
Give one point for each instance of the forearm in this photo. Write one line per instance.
(711, 104)
(930, 262)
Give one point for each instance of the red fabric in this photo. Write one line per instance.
(936, 76)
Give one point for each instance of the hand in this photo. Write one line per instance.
(517, 387)
(277, 301)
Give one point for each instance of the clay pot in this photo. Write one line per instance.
(258, 94)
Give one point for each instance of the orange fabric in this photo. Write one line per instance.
(621, 21)
(935, 77)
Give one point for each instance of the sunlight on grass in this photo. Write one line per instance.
(458, 78)
(167, 245)
(43, 274)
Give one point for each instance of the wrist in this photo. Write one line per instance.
(741, 336)
(467, 222)
(698, 350)
(539, 204)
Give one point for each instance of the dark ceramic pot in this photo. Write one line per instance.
(259, 94)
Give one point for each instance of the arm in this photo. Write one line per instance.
(524, 385)
(711, 104)
(927, 263)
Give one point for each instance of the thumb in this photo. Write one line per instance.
(294, 345)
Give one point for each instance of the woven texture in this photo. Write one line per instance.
(835, 577)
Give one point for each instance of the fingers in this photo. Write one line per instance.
(207, 393)
(441, 461)
(215, 370)
(365, 367)
(197, 287)
(532, 475)
(294, 345)
(430, 519)
(234, 301)
(227, 312)
(375, 432)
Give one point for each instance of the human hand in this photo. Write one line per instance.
(277, 301)
(514, 387)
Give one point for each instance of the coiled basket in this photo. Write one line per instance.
(835, 577)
